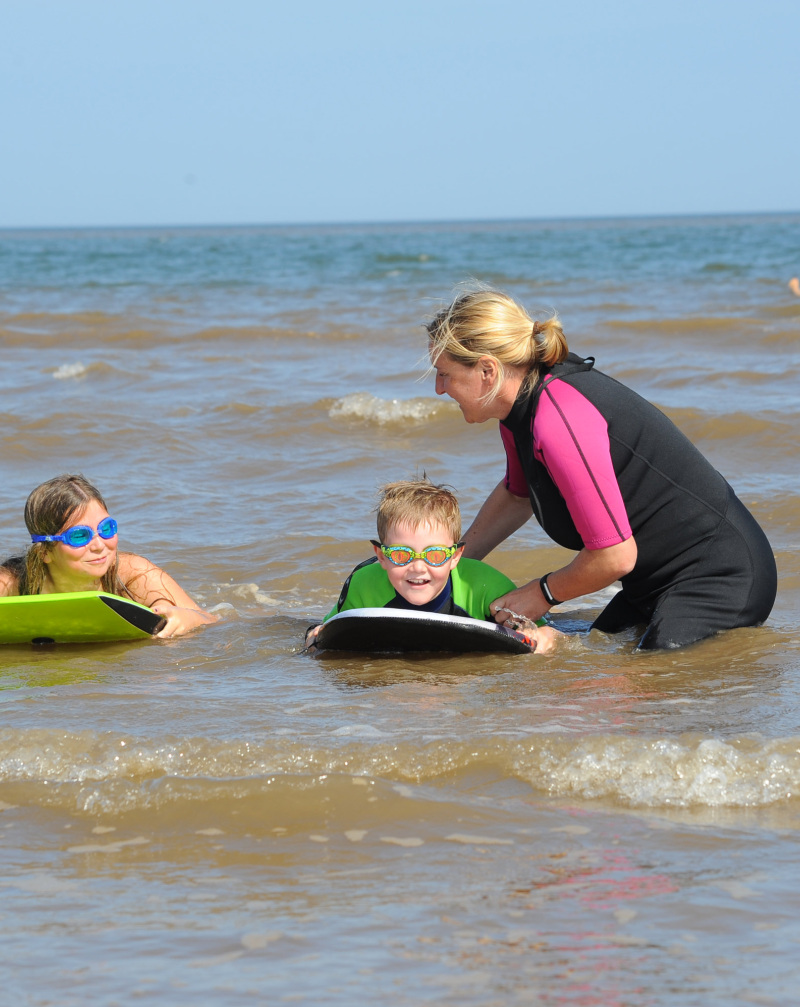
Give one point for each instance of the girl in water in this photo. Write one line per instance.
(74, 548)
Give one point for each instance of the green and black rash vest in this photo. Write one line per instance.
(473, 587)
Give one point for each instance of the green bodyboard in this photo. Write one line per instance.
(81, 617)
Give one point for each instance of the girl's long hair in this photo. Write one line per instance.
(47, 510)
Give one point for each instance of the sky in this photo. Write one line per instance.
(192, 112)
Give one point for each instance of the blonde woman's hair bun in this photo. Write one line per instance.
(482, 322)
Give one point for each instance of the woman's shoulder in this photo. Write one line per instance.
(563, 408)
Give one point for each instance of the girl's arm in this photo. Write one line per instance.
(152, 586)
(9, 585)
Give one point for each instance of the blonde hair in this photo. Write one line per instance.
(488, 323)
(415, 502)
(48, 508)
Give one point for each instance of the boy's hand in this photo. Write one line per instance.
(311, 637)
(546, 638)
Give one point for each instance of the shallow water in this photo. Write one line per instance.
(224, 819)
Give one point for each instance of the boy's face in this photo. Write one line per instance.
(418, 582)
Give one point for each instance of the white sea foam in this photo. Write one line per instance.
(363, 406)
(108, 847)
(106, 775)
(710, 773)
(70, 371)
(469, 840)
(249, 592)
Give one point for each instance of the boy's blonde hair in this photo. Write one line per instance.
(415, 502)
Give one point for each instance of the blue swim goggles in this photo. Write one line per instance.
(81, 534)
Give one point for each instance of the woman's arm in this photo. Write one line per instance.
(501, 515)
(152, 586)
(590, 570)
(571, 440)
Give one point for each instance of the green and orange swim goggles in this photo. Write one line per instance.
(402, 555)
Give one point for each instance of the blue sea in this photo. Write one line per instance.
(223, 819)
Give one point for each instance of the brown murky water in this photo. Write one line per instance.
(222, 819)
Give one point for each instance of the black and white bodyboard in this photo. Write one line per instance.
(398, 631)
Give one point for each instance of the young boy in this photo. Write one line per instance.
(418, 562)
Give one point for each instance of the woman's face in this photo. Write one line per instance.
(82, 568)
(468, 386)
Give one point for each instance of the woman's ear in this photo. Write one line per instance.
(489, 369)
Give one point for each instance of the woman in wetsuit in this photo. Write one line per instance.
(606, 474)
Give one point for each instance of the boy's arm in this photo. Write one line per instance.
(476, 585)
(360, 590)
(363, 590)
(484, 584)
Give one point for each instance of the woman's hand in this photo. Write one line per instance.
(590, 571)
(180, 620)
(545, 637)
(527, 601)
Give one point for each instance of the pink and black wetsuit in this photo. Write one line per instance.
(600, 463)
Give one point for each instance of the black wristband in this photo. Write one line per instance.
(549, 597)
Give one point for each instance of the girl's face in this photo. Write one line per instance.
(82, 568)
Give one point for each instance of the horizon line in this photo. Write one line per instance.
(400, 223)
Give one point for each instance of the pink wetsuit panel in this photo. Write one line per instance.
(515, 475)
(570, 438)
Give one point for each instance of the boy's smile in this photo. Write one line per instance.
(417, 582)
